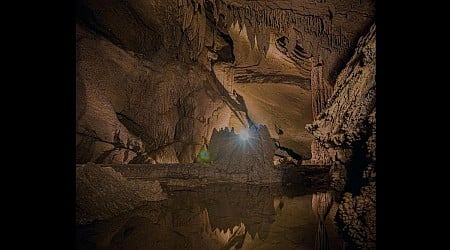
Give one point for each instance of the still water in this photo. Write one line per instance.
(220, 216)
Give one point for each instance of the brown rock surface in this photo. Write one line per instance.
(248, 152)
(161, 110)
(347, 128)
(325, 30)
(159, 80)
(269, 42)
(102, 193)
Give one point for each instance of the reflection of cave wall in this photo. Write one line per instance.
(226, 206)
(262, 217)
(191, 219)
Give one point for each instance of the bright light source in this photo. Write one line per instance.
(243, 134)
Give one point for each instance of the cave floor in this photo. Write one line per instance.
(215, 216)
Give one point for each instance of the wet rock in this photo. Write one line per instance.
(215, 217)
(102, 193)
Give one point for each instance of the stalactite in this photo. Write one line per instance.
(201, 29)
(250, 33)
(188, 14)
(259, 23)
(292, 36)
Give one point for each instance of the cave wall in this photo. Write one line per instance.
(318, 37)
(130, 109)
(254, 153)
(347, 129)
(131, 53)
(129, 24)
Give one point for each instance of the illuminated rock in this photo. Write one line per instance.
(347, 128)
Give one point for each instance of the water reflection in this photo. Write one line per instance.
(236, 238)
(229, 216)
(321, 204)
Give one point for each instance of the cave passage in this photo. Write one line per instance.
(225, 124)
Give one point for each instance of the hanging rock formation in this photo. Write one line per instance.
(325, 30)
(179, 48)
(347, 128)
(315, 37)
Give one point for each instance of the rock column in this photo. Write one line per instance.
(320, 92)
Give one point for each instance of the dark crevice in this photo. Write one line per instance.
(340, 64)
(101, 159)
(86, 17)
(298, 55)
(133, 127)
(226, 53)
(356, 166)
(84, 149)
(251, 76)
(291, 153)
(234, 107)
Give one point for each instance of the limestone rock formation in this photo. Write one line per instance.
(173, 42)
(320, 93)
(102, 193)
(325, 30)
(212, 85)
(135, 110)
(347, 128)
(290, 42)
(249, 152)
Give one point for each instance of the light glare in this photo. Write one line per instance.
(244, 135)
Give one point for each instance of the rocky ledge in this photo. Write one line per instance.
(102, 193)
